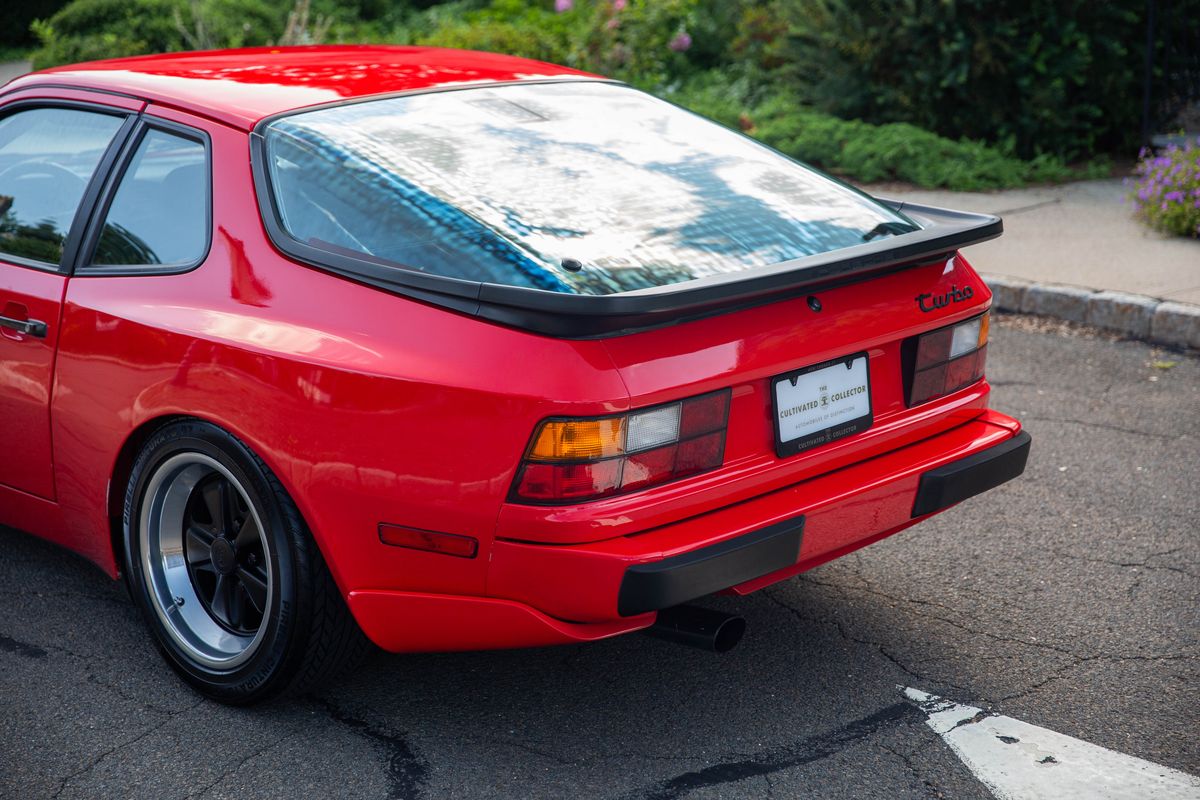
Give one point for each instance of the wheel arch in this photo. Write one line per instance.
(122, 470)
(118, 481)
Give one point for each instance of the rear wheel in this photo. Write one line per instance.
(227, 576)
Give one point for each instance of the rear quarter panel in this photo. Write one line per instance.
(369, 408)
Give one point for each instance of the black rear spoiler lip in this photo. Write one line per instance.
(943, 233)
(572, 316)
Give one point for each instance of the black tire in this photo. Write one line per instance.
(291, 631)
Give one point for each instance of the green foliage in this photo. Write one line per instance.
(866, 152)
(1166, 191)
(504, 26)
(645, 42)
(1056, 76)
(86, 30)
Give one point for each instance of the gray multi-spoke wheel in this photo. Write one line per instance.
(206, 558)
(227, 575)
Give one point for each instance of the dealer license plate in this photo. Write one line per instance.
(821, 403)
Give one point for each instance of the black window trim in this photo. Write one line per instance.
(87, 201)
(574, 316)
(82, 266)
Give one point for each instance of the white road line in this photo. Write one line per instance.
(1019, 761)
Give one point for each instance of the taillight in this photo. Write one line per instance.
(948, 359)
(574, 460)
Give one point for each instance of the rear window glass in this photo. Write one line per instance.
(583, 188)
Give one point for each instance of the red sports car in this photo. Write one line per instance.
(457, 351)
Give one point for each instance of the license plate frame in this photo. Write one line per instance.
(839, 429)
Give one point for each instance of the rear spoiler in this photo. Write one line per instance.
(587, 316)
(573, 316)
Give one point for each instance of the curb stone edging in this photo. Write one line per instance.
(1138, 316)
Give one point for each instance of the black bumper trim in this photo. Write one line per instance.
(678, 579)
(975, 474)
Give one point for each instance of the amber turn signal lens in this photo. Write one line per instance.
(579, 440)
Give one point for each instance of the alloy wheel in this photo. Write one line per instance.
(207, 560)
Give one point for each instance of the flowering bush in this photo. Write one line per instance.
(1166, 194)
(649, 43)
(645, 42)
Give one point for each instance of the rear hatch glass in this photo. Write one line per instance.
(585, 188)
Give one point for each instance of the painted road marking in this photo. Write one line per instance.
(1019, 761)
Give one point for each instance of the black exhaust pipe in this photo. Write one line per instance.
(699, 627)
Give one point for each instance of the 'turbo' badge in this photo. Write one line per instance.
(927, 302)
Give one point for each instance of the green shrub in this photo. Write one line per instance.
(504, 26)
(866, 152)
(648, 43)
(645, 42)
(1166, 192)
(1053, 76)
(86, 30)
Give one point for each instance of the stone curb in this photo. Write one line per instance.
(1135, 315)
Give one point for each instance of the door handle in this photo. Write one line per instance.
(32, 327)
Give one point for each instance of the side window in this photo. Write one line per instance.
(47, 157)
(159, 214)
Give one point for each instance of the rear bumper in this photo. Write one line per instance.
(678, 579)
(943, 487)
(615, 586)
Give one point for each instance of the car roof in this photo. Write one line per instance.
(241, 87)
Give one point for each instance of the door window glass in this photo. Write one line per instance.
(47, 158)
(159, 215)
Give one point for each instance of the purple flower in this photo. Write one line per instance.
(1174, 196)
(681, 43)
(563, 5)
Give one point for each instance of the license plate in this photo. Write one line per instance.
(821, 403)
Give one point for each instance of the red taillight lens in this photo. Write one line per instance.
(948, 359)
(570, 481)
(572, 460)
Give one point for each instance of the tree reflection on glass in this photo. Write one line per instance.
(40, 241)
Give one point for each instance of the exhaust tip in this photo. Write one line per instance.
(729, 634)
(704, 628)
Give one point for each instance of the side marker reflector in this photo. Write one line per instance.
(448, 544)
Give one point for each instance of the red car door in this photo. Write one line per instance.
(53, 155)
(29, 306)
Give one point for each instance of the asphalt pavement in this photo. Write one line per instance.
(1067, 599)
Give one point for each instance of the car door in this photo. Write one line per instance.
(54, 152)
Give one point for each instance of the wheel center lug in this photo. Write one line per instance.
(224, 556)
